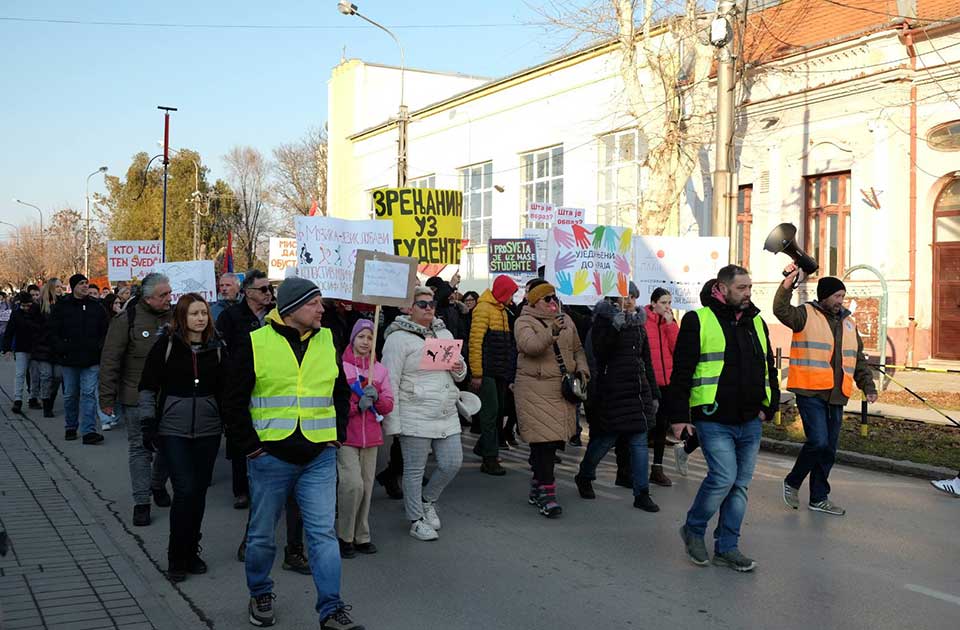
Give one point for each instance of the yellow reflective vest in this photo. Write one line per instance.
(713, 344)
(287, 395)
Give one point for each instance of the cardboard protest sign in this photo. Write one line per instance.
(514, 256)
(440, 354)
(127, 260)
(588, 262)
(679, 264)
(283, 254)
(540, 237)
(541, 213)
(327, 250)
(383, 279)
(570, 216)
(427, 223)
(190, 276)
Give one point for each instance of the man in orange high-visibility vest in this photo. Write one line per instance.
(826, 358)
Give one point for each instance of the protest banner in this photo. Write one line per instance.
(190, 276)
(540, 237)
(588, 262)
(440, 354)
(383, 279)
(283, 254)
(127, 260)
(570, 216)
(679, 264)
(427, 223)
(513, 256)
(541, 213)
(327, 250)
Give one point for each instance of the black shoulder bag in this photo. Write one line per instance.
(571, 385)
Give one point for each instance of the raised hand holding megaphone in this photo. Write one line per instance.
(783, 239)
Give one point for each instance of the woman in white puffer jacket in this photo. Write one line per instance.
(424, 412)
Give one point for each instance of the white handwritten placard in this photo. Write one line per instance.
(127, 260)
(384, 279)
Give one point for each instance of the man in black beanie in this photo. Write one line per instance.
(826, 357)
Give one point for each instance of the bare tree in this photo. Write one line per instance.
(300, 174)
(664, 69)
(248, 175)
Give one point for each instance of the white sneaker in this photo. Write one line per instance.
(430, 516)
(949, 486)
(681, 457)
(421, 531)
(106, 426)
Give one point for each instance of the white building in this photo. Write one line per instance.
(849, 128)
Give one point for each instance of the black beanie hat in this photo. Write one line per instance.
(76, 279)
(827, 286)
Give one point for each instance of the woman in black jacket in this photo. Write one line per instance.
(180, 413)
(19, 337)
(623, 397)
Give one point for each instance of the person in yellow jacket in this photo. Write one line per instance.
(286, 402)
(826, 357)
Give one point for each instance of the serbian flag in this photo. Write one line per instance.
(313, 209)
(228, 256)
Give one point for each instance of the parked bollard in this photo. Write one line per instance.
(864, 421)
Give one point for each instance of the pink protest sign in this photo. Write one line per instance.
(440, 354)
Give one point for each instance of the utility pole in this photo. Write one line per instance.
(723, 206)
(166, 164)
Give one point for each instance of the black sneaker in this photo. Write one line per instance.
(390, 483)
(195, 564)
(260, 609)
(347, 550)
(33, 403)
(47, 408)
(176, 574)
(735, 560)
(141, 515)
(294, 560)
(92, 438)
(367, 548)
(585, 488)
(575, 440)
(340, 620)
(161, 497)
(17, 406)
(644, 502)
(70, 434)
(492, 467)
(241, 503)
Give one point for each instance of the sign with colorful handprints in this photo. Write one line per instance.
(588, 262)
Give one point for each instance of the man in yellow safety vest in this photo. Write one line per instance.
(286, 402)
(724, 383)
(826, 357)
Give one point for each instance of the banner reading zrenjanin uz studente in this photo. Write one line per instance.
(427, 223)
(127, 260)
(588, 262)
(327, 250)
(283, 254)
(679, 264)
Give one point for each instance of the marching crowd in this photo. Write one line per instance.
(307, 390)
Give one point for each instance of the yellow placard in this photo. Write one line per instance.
(427, 223)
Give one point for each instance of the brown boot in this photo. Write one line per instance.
(657, 476)
(492, 467)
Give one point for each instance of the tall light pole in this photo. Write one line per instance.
(166, 164)
(197, 200)
(723, 207)
(40, 212)
(345, 7)
(86, 230)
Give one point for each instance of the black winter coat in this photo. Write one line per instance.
(77, 330)
(623, 386)
(180, 388)
(23, 329)
(236, 323)
(740, 391)
(42, 345)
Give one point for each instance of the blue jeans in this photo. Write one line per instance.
(80, 398)
(602, 441)
(22, 363)
(315, 487)
(821, 425)
(731, 454)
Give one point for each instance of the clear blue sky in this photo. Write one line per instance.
(74, 97)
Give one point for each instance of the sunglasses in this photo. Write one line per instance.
(552, 298)
(425, 304)
(263, 289)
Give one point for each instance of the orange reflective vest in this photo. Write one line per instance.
(812, 350)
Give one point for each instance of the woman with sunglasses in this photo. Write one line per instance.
(546, 418)
(425, 411)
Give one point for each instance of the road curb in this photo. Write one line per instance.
(870, 462)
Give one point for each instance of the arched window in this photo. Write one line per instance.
(947, 213)
(945, 137)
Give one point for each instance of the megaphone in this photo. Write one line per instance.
(782, 240)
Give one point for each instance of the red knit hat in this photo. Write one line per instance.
(503, 289)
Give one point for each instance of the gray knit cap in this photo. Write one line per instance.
(294, 293)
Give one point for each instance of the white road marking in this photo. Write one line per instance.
(929, 592)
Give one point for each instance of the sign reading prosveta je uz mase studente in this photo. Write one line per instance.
(427, 223)
(514, 256)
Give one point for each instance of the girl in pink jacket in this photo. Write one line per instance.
(370, 401)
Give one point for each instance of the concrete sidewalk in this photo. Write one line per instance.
(64, 569)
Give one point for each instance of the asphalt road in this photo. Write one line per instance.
(890, 563)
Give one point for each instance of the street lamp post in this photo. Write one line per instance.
(86, 230)
(346, 8)
(196, 199)
(40, 212)
(166, 164)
